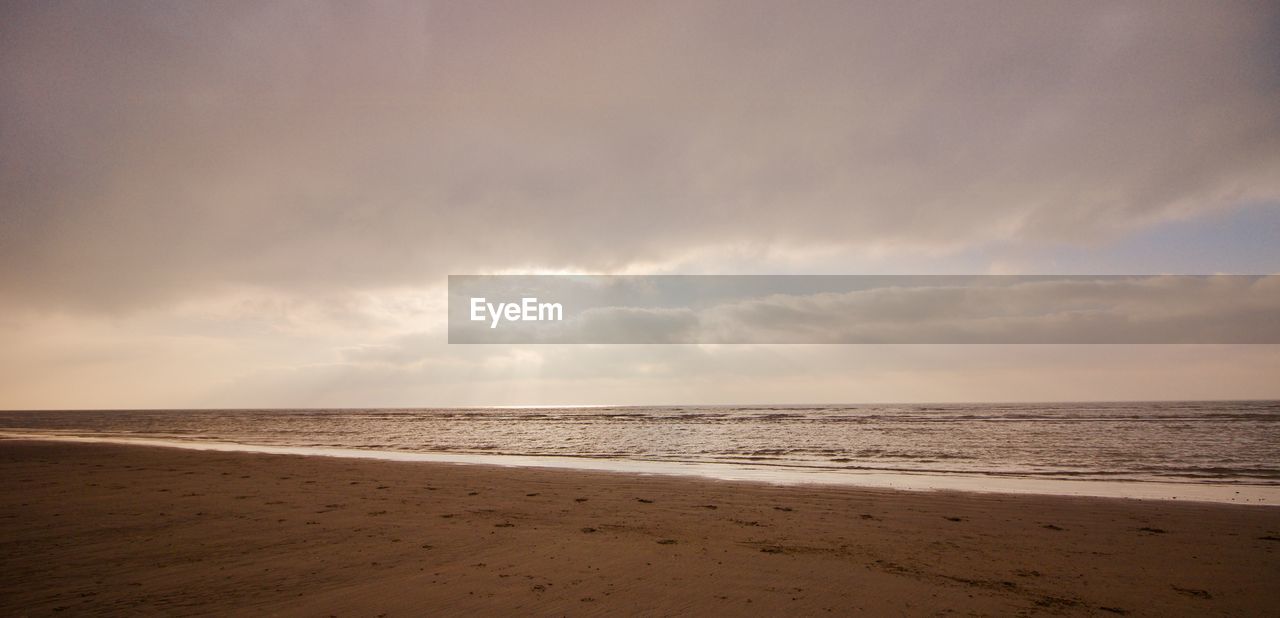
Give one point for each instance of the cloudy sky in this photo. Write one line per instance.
(257, 204)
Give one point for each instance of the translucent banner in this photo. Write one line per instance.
(844, 309)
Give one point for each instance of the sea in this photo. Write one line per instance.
(1219, 451)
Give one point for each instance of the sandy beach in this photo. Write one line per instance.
(96, 528)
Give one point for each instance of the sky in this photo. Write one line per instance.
(242, 204)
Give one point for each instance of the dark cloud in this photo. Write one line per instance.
(154, 152)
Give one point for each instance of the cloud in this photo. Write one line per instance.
(690, 375)
(242, 203)
(154, 153)
(1166, 309)
(635, 325)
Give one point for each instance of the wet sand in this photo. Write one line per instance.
(99, 528)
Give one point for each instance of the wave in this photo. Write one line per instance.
(1192, 442)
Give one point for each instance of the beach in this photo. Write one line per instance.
(104, 528)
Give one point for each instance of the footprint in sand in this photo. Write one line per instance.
(1193, 592)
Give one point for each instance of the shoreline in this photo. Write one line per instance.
(1221, 493)
(104, 528)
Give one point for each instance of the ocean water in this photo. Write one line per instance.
(1200, 443)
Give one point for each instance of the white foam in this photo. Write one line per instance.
(1191, 492)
